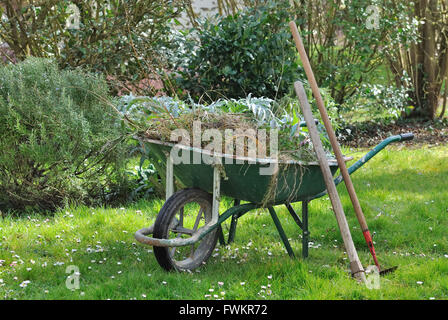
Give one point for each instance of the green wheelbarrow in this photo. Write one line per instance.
(188, 225)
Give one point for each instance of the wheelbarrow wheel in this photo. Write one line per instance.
(183, 214)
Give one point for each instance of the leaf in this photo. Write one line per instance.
(293, 130)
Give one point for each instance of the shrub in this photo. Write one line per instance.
(60, 139)
(250, 52)
(382, 100)
(346, 40)
(118, 38)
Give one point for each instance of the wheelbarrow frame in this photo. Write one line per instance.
(238, 210)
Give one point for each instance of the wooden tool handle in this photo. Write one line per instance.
(326, 120)
(355, 264)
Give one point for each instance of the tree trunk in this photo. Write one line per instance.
(445, 96)
(426, 62)
(431, 88)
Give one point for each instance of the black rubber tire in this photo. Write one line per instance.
(162, 229)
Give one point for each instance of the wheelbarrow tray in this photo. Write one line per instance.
(295, 180)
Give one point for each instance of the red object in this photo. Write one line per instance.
(369, 242)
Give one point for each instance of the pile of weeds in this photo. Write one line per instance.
(157, 119)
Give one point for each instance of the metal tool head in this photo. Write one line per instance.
(387, 271)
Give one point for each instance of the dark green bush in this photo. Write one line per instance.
(60, 139)
(250, 52)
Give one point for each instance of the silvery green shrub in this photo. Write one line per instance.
(60, 139)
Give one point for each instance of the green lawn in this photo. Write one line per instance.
(403, 193)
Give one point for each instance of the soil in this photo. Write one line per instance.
(369, 134)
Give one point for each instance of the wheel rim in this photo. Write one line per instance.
(185, 222)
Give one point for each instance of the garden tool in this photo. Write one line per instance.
(335, 145)
(355, 265)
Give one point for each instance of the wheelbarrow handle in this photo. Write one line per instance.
(383, 144)
(407, 136)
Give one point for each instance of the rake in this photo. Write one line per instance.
(336, 148)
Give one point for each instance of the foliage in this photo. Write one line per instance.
(61, 140)
(423, 55)
(347, 42)
(161, 115)
(123, 39)
(382, 99)
(142, 110)
(148, 177)
(141, 179)
(344, 40)
(250, 52)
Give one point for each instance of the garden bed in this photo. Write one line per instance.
(368, 134)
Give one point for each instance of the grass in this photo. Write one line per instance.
(403, 193)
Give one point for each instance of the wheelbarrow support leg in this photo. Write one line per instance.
(306, 233)
(303, 224)
(233, 223)
(294, 215)
(281, 232)
(221, 239)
